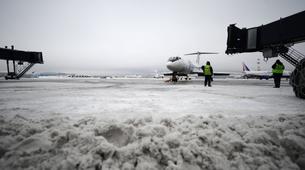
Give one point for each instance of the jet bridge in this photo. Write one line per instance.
(274, 39)
(19, 62)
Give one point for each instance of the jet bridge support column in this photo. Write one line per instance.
(8, 67)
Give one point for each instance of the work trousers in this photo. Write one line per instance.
(207, 80)
(277, 80)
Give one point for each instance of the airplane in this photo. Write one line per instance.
(247, 73)
(181, 67)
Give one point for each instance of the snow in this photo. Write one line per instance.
(149, 124)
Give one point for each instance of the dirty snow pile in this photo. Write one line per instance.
(189, 142)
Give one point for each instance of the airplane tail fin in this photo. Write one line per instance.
(245, 67)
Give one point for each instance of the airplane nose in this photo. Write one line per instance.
(170, 66)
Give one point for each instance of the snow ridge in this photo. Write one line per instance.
(189, 142)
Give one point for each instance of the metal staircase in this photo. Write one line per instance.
(297, 78)
(24, 70)
(17, 74)
(292, 56)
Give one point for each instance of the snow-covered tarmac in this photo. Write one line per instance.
(147, 123)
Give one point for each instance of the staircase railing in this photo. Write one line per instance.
(292, 56)
(24, 70)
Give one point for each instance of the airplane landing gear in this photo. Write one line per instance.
(174, 77)
(187, 78)
(297, 79)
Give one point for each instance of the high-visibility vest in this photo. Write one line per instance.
(279, 69)
(207, 70)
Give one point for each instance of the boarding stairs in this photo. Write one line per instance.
(297, 78)
(22, 69)
(292, 56)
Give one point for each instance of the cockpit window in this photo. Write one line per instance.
(172, 59)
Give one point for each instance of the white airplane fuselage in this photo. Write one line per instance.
(265, 73)
(260, 74)
(181, 66)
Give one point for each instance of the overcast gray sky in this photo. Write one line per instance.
(133, 35)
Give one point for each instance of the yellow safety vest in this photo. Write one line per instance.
(279, 69)
(207, 70)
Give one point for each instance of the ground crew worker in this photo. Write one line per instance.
(208, 72)
(277, 71)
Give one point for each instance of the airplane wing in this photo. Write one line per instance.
(177, 74)
(285, 76)
(198, 53)
(215, 74)
(198, 73)
(257, 76)
(221, 74)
